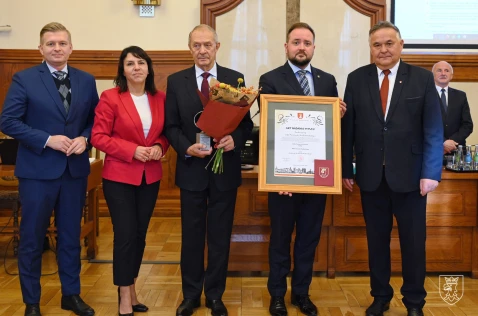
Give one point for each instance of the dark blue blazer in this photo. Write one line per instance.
(409, 141)
(33, 111)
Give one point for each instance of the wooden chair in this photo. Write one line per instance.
(10, 199)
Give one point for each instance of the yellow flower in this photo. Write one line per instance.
(222, 85)
(239, 80)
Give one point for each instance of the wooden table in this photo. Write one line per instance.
(89, 227)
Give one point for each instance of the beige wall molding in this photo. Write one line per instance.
(210, 9)
(375, 9)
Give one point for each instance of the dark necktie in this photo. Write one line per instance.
(304, 83)
(205, 84)
(63, 89)
(384, 90)
(443, 99)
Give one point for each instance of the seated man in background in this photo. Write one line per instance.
(457, 123)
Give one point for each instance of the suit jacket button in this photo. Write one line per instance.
(385, 128)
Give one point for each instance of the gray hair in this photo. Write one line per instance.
(384, 25)
(203, 27)
(434, 66)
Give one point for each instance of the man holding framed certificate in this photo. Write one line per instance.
(286, 210)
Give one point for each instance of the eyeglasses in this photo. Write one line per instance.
(207, 46)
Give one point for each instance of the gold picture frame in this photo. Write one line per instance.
(321, 124)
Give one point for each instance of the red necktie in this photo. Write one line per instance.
(384, 90)
(205, 84)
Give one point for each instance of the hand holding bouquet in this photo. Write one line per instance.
(223, 112)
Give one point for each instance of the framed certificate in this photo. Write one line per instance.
(300, 144)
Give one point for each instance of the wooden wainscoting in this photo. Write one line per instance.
(102, 64)
(451, 228)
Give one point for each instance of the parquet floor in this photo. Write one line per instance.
(159, 285)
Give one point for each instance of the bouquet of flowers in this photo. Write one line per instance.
(223, 112)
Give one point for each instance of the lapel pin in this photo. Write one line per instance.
(318, 76)
(400, 81)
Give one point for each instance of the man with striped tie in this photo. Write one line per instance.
(286, 210)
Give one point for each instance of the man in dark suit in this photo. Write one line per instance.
(305, 211)
(457, 122)
(207, 199)
(49, 109)
(393, 123)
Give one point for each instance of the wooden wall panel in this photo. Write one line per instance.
(101, 64)
(448, 249)
(465, 65)
(453, 203)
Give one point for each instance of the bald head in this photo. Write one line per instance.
(443, 73)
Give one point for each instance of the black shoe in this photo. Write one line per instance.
(217, 307)
(277, 306)
(187, 306)
(377, 308)
(414, 312)
(304, 303)
(75, 304)
(140, 308)
(32, 310)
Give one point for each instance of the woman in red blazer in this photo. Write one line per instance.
(129, 129)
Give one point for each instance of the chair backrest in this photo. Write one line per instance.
(8, 151)
(94, 153)
(9, 181)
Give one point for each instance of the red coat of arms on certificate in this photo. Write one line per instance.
(323, 172)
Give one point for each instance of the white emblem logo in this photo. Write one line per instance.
(324, 172)
(451, 288)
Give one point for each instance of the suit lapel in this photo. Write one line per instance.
(451, 100)
(154, 118)
(128, 104)
(374, 90)
(318, 88)
(400, 80)
(75, 88)
(192, 88)
(221, 74)
(291, 79)
(49, 83)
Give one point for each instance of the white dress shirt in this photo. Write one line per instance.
(446, 93)
(199, 72)
(142, 106)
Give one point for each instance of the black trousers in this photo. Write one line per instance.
(305, 212)
(409, 209)
(209, 212)
(130, 208)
